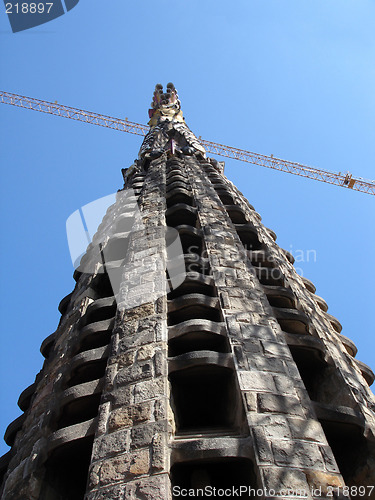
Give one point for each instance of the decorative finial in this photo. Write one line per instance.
(165, 105)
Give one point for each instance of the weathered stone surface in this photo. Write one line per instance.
(159, 451)
(145, 352)
(322, 480)
(262, 446)
(297, 454)
(142, 435)
(152, 488)
(129, 416)
(280, 404)
(148, 390)
(307, 428)
(274, 426)
(256, 381)
(141, 311)
(123, 468)
(134, 372)
(282, 479)
(112, 444)
(113, 493)
(275, 349)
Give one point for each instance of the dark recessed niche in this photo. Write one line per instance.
(194, 311)
(79, 410)
(93, 370)
(222, 474)
(197, 341)
(67, 471)
(205, 398)
(94, 339)
(97, 314)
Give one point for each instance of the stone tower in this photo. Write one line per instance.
(164, 381)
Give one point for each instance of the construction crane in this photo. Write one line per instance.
(124, 125)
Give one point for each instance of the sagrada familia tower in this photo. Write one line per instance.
(191, 360)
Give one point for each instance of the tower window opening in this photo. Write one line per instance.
(102, 287)
(179, 196)
(95, 339)
(350, 450)
(88, 372)
(205, 398)
(222, 474)
(116, 249)
(194, 311)
(124, 225)
(79, 410)
(67, 471)
(320, 378)
(225, 197)
(192, 286)
(100, 314)
(236, 215)
(269, 276)
(197, 341)
(248, 236)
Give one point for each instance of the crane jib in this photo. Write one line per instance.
(346, 180)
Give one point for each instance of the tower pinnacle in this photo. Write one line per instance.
(165, 105)
(168, 130)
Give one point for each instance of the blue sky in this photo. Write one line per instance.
(290, 78)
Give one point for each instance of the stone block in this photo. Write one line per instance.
(281, 479)
(124, 467)
(159, 452)
(127, 416)
(285, 385)
(113, 492)
(256, 381)
(160, 364)
(251, 401)
(276, 349)
(268, 364)
(240, 358)
(307, 428)
(298, 454)
(133, 373)
(274, 426)
(126, 359)
(93, 476)
(149, 488)
(262, 446)
(276, 403)
(160, 412)
(257, 332)
(145, 352)
(253, 346)
(329, 459)
(140, 463)
(320, 481)
(142, 311)
(136, 339)
(111, 444)
(122, 396)
(149, 389)
(142, 435)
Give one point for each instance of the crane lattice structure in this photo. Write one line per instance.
(124, 125)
